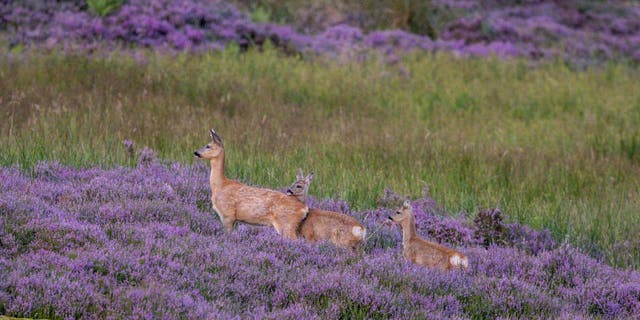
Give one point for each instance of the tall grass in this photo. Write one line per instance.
(550, 146)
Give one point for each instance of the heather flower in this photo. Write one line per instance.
(328, 204)
(529, 239)
(143, 242)
(49, 171)
(390, 199)
(146, 156)
(533, 29)
(129, 146)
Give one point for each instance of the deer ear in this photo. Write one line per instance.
(406, 204)
(310, 177)
(215, 137)
(299, 174)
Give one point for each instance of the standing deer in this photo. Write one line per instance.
(339, 228)
(234, 201)
(421, 251)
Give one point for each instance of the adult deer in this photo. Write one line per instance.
(234, 201)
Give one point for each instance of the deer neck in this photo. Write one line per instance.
(216, 178)
(408, 230)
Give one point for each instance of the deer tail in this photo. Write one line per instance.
(457, 260)
(359, 232)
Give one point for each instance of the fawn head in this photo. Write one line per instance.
(212, 149)
(300, 187)
(402, 213)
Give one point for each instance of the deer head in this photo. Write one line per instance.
(402, 213)
(300, 187)
(212, 149)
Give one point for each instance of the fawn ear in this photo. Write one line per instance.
(309, 178)
(215, 137)
(299, 174)
(406, 204)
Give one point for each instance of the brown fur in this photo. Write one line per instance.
(299, 188)
(421, 251)
(321, 225)
(234, 201)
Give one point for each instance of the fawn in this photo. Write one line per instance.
(423, 252)
(234, 201)
(299, 188)
(339, 228)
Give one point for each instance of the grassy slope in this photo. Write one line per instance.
(552, 147)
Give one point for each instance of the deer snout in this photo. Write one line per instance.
(289, 192)
(195, 153)
(390, 218)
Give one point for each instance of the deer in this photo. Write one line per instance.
(237, 202)
(321, 225)
(420, 251)
(299, 188)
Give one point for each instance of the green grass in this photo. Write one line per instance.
(551, 147)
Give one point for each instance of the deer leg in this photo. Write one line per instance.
(291, 233)
(278, 227)
(227, 216)
(227, 223)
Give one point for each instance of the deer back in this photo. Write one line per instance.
(339, 228)
(433, 255)
(259, 205)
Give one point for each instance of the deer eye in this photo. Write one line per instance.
(208, 146)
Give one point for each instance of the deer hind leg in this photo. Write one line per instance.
(293, 223)
(443, 263)
(278, 227)
(291, 232)
(288, 226)
(228, 223)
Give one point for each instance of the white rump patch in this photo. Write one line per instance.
(359, 232)
(458, 261)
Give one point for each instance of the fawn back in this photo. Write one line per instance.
(339, 228)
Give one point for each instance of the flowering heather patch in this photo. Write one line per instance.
(144, 243)
(577, 31)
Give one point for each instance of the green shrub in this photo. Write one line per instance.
(261, 14)
(104, 7)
